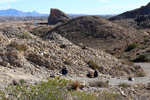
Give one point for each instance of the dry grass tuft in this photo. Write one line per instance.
(141, 74)
(21, 47)
(76, 85)
(93, 65)
(139, 86)
(100, 84)
(124, 85)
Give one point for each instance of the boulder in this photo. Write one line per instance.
(57, 16)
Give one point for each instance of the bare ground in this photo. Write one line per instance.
(113, 81)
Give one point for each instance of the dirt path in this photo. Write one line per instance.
(31, 75)
(7, 75)
(117, 81)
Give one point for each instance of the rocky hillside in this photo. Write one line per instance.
(26, 55)
(138, 20)
(144, 10)
(98, 33)
(143, 21)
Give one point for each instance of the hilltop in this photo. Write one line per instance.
(97, 33)
(144, 10)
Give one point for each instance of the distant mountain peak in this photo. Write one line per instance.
(14, 12)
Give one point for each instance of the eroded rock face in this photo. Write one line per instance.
(57, 16)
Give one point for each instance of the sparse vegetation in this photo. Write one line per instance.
(22, 81)
(2, 96)
(131, 47)
(141, 74)
(109, 96)
(124, 85)
(53, 89)
(142, 58)
(119, 68)
(140, 86)
(127, 62)
(21, 47)
(93, 65)
(26, 36)
(100, 84)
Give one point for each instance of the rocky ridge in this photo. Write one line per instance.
(98, 33)
(144, 10)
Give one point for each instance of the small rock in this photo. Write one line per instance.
(84, 47)
(82, 85)
(64, 71)
(131, 79)
(15, 82)
(63, 46)
(122, 93)
(52, 76)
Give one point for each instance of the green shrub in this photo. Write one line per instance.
(78, 95)
(127, 62)
(21, 47)
(142, 58)
(131, 47)
(22, 81)
(110, 96)
(53, 89)
(140, 74)
(93, 65)
(26, 36)
(119, 68)
(124, 85)
(2, 96)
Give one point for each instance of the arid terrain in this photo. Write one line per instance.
(31, 51)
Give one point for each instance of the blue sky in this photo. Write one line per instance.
(74, 6)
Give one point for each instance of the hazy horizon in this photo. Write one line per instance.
(91, 7)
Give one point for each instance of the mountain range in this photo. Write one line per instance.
(14, 12)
